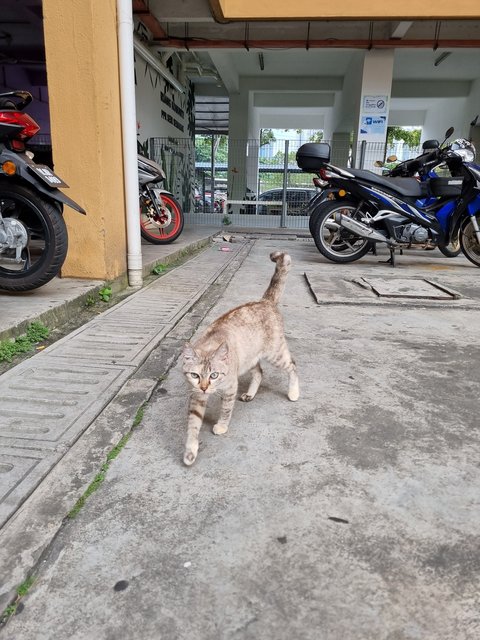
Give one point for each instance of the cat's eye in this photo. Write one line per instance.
(214, 375)
(195, 376)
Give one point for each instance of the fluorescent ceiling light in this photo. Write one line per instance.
(441, 58)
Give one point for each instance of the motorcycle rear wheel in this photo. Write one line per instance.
(337, 244)
(469, 242)
(47, 240)
(162, 229)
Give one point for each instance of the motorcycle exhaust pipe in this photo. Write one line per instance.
(361, 229)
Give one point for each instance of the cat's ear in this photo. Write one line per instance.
(221, 353)
(189, 352)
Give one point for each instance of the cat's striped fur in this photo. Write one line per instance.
(233, 345)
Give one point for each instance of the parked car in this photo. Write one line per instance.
(297, 201)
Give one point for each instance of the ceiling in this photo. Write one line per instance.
(216, 55)
(275, 49)
(21, 39)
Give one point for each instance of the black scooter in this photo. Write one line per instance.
(33, 235)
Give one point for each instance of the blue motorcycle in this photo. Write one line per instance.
(358, 208)
(423, 167)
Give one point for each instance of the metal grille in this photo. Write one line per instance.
(222, 181)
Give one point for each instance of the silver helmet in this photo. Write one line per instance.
(462, 148)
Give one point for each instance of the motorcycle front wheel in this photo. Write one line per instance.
(451, 250)
(43, 236)
(161, 228)
(469, 243)
(334, 242)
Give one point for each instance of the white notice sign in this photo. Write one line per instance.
(375, 104)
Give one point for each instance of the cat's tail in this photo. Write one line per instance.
(277, 283)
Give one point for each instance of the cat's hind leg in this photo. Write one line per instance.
(282, 359)
(254, 384)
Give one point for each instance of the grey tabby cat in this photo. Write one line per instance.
(232, 345)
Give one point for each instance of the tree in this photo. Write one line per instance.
(316, 137)
(266, 136)
(203, 148)
(410, 136)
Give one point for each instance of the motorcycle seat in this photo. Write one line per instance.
(403, 186)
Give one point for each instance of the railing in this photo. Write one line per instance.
(253, 185)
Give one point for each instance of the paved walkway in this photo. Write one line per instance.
(351, 514)
(55, 303)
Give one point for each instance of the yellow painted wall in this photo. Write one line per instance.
(84, 97)
(346, 10)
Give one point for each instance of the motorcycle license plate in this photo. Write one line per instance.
(47, 175)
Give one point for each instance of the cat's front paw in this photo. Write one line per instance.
(189, 457)
(246, 398)
(294, 395)
(293, 391)
(218, 429)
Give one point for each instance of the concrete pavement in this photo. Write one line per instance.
(56, 303)
(351, 514)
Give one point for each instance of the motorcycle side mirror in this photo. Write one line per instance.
(473, 123)
(449, 132)
(430, 144)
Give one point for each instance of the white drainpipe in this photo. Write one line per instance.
(129, 140)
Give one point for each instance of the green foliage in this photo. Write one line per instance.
(36, 332)
(105, 294)
(267, 136)
(22, 590)
(90, 301)
(410, 136)
(158, 269)
(279, 158)
(316, 137)
(111, 455)
(139, 416)
(226, 220)
(203, 148)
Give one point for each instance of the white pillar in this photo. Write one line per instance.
(238, 146)
(374, 100)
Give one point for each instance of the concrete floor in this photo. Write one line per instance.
(352, 514)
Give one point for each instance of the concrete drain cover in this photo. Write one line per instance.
(379, 290)
(408, 288)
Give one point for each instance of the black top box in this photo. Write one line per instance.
(313, 155)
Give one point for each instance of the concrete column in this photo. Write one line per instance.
(84, 94)
(340, 149)
(346, 109)
(237, 147)
(374, 104)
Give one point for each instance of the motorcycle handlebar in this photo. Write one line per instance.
(409, 167)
